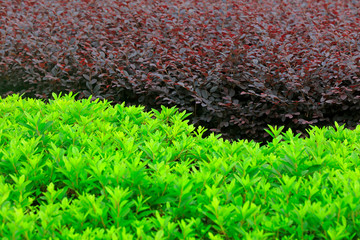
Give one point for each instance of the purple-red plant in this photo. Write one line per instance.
(236, 65)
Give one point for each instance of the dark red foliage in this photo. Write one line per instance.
(236, 65)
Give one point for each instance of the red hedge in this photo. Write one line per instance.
(237, 65)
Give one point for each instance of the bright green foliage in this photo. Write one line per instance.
(87, 170)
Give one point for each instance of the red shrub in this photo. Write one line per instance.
(237, 65)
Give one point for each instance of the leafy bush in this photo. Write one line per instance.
(236, 65)
(88, 170)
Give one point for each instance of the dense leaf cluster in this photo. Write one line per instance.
(88, 170)
(236, 65)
